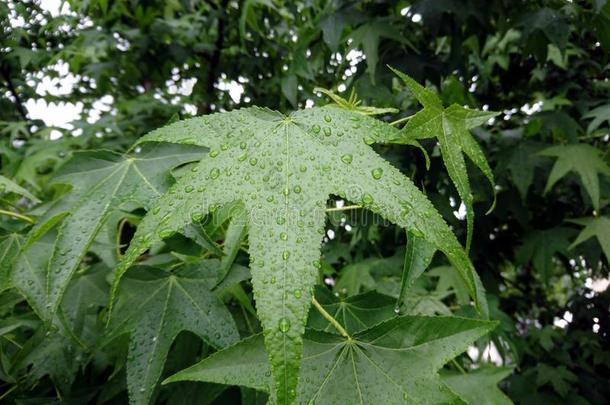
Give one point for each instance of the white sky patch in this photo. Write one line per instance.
(55, 7)
(490, 354)
(235, 89)
(54, 114)
(461, 212)
(564, 321)
(185, 88)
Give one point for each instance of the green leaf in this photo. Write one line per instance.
(418, 256)
(583, 159)
(9, 186)
(393, 362)
(598, 227)
(357, 276)
(236, 233)
(10, 245)
(599, 115)
(102, 181)
(368, 37)
(541, 246)
(283, 169)
(354, 313)
(153, 307)
(522, 161)
(560, 378)
(451, 127)
(480, 386)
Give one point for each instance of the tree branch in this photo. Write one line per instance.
(11, 88)
(214, 59)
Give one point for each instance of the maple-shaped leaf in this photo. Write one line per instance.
(599, 115)
(541, 247)
(283, 169)
(598, 227)
(583, 159)
(560, 378)
(154, 306)
(450, 126)
(367, 37)
(480, 386)
(521, 161)
(354, 313)
(101, 182)
(391, 363)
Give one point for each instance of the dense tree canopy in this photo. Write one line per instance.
(536, 72)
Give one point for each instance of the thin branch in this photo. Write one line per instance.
(214, 59)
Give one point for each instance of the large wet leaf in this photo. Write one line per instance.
(101, 181)
(154, 307)
(283, 169)
(391, 363)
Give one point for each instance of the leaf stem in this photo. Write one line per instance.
(401, 120)
(347, 207)
(457, 365)
(17, 215)
(330, 318)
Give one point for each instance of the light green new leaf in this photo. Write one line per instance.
(480, 386)
(354, 313)
(583, 159)
(9, 186)
(598, 227)
(283, 169)
(154, 307)
(391, 363)
(353, 103)
(101, 182)
(451, 127)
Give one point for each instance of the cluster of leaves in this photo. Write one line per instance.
(206, 277)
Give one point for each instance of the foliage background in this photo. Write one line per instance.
(134, 66)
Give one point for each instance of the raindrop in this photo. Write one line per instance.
(253, 161)
(165, 233)
(283, 236)
(297, 294)
(327, 131)
(316, 128)
(377, 173)
(285, 255)
(213, 153)
(327, 118)
(197, 216)
(189, 189)
(367, 199)
(284, 325)
(347, 159)
(214, 173)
